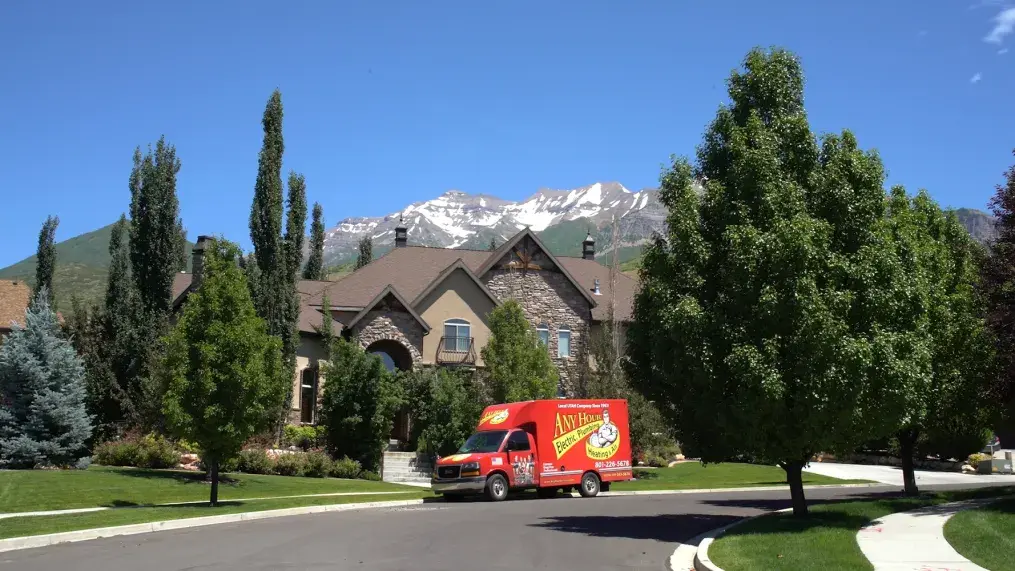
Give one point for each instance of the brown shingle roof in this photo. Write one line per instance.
(408, 270)
(14, 298)
(585, 273)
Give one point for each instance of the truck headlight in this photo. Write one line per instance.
(470, 469)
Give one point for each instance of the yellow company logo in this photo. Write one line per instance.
(495, 417)
(570, 429)
(604, 453)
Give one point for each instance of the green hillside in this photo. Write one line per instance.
(82, 263)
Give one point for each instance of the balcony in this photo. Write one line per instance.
(456, 351)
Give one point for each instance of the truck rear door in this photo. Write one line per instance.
(522, 458)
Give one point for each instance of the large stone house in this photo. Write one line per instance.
(421, 306)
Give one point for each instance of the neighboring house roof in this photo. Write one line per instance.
(14, 298)
(586, 272)
(392, 292)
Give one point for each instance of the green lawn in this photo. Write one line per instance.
(24, 526)
(692, 476)
(38, 490)
(986, 536)
(826, 539)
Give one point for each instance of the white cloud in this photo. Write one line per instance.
(1002, 51)
(976, 78)
(1004, 24)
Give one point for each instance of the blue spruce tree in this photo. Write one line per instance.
(43, 421)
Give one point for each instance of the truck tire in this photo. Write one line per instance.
(590, 485)
(496, 488)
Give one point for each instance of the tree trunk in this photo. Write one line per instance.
(794, 477)
(214, 482)
(907, 448)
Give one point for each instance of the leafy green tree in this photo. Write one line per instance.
(43, 420)
(314, 269)
(156, 242)
(366, 252)
(773, 320)
(445, 406)
(359, 404)
(518, 366)
(940, 259)
(998, 283)
(45, 259)
(221, 367)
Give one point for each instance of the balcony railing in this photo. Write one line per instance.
(456, 351)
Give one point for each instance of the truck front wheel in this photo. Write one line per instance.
(496, 488)
(589, 486)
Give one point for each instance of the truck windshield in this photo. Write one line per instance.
(482, 442)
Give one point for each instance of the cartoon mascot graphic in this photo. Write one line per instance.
(606, 434)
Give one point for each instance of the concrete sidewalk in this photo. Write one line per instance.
(915, 539)
(893, 476)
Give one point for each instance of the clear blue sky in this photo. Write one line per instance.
(387, 103)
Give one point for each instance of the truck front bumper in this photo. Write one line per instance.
(459, 485)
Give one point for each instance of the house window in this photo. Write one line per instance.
(544, 334)
(563, 342)
(308, 395)
(457, 335)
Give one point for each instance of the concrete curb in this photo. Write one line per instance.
(34, 541)
(701, 560)
(742, 489)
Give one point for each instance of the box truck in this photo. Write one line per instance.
(547, 445)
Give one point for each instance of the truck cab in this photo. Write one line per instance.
(528, 445)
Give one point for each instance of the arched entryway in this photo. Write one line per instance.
(393, 354)
(396, 357)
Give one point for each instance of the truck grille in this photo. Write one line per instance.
(447, 472)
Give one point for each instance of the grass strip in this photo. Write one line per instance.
(985, 536)
(825, 539)
(26, 526)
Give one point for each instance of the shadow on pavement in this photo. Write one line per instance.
(665, 528)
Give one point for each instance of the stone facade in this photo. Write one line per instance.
(548, 297)
(389, 324)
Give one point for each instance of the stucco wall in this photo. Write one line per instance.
(308, 353)
(457, 297)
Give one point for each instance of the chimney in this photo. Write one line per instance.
(401, 234)
(197, 261)
(589, 247)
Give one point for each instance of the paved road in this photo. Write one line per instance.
(631, 532)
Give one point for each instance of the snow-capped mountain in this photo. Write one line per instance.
(460, 220)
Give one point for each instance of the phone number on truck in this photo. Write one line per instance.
(614, 464)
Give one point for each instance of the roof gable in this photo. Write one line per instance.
(459, 264)
(511, 247)
(387, 292)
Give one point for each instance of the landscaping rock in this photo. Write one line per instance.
(967, 469)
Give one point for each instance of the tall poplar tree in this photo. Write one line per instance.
(278, 257)
(45, 259)
(314, 269)
(773, 320)
(366, 252)
(156, 240)
(998, 273)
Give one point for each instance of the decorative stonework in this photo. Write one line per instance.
(547, 296)
(392, 325)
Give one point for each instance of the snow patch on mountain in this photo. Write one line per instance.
(456, 219)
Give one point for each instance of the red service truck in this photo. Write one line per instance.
(549, 445)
